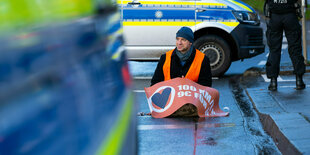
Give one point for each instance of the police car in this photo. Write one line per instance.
(225, 30)
(64, 79)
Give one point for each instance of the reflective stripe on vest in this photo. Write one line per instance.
(192, 73)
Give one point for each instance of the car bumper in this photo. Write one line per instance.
(249, 39)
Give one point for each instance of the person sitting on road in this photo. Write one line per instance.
(184, 61)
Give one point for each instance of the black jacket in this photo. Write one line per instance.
(277, 6)
(177, 70)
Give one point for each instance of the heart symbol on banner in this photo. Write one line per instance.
(161, 99)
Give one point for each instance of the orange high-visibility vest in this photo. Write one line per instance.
(192, 73)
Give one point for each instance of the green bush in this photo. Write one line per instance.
(258, 5)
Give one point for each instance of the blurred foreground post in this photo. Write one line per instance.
(304, 39)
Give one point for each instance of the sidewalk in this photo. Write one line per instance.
(285, 114)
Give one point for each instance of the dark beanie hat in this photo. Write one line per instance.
(186, 33)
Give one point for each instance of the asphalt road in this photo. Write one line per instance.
(239, 133)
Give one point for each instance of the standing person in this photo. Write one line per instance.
(184, 61)
(283, 17)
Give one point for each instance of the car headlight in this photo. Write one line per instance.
(247, 17)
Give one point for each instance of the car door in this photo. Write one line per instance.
(151, 25)
(214, 13)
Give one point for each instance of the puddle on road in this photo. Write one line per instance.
(209, 141)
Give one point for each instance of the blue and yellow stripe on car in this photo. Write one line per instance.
(242, 5)
(230, 24)
(158, 23)
(175, 13)
(161, 23)
(172, 3)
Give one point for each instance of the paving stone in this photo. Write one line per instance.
(293, 123)
(302, 144)
(296, 133)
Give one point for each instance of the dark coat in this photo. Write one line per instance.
(177, 70)
(277, 7)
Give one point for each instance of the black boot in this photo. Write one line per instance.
(300, 83)
(273, 84)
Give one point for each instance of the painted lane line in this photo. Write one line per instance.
(261, 63)
(279, 79)
(284, 46)
(265, 78)
(138, 91)
(292, 86)
(142, 78)
(157, 127)
(284, 39)
(268, 54)
(149, 78)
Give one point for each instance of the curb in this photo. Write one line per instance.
(282, 142)
(284, 127)
(270, 112)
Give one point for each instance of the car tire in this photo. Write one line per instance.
(218, 52)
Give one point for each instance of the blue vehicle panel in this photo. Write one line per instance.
(65, 88)
(215, 15)
(151, 14)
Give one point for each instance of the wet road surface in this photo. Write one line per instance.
(239, 133)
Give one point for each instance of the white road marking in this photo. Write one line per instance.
(149, 78)
(142, 78)
(262, 63)
(291, 86)
(138, 91)
(279, 79)
(284, 46)
(156, 127)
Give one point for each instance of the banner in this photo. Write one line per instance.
(166, 97)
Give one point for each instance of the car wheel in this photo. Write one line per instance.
(218, 52)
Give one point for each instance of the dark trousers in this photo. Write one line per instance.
(289, 23)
